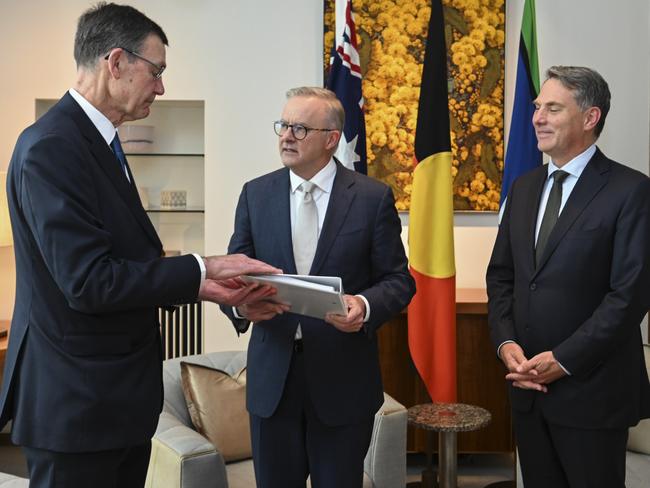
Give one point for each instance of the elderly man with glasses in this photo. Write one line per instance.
(83, 376)
(313, 384)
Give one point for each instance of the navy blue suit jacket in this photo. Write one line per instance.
(83, 369)
(360, 242)
(586, 299)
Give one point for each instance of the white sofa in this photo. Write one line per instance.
(638, 453)
(9, 481)
(182, 458)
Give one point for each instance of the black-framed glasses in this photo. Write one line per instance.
(299, 131)
(159, 69)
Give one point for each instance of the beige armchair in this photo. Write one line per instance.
(182, 458)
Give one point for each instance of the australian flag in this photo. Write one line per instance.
(344, 79)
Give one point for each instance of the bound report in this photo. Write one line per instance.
(313, 296)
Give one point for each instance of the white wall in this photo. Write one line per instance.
(240, 57)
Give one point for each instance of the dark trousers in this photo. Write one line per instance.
(293, 443)
(565, 457)
(117, 468)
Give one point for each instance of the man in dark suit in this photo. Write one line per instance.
(567, 294)
(82, 381)
(314, 385)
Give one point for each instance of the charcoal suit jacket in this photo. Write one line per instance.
(585, 300)
(360, 242)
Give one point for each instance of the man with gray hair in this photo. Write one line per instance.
(568, 287)
(313, 385)
(83, 380)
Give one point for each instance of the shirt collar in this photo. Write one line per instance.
(324, 179)
(576, 166)
(99, 120)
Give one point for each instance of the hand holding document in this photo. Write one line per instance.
(313, 296)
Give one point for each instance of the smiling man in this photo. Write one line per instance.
(568, 287)
(82, 379)
(313, 386)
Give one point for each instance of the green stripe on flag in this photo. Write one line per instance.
(529, 35)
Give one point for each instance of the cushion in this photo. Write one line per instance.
(639, 437)
(216, 402)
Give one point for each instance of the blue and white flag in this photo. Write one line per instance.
(522, 154)
(344, 79)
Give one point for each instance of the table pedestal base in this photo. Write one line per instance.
(428, 474)
(447, 463)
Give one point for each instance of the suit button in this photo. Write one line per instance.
(533, 287)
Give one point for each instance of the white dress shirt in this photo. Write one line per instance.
(575, 167)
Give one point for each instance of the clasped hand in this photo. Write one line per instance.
(530, 374)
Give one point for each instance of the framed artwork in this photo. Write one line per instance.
(391, 36)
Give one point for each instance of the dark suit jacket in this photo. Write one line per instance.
(586, 299)
(360, 242)
(83, 369)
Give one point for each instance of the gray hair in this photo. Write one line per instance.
(588, 87)
(107, 26)
(336, 113)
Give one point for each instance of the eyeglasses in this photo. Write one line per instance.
(159, 69)
(299, 131)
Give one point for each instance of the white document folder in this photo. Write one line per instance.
(313, 296)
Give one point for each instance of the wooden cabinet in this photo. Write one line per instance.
(480, 374)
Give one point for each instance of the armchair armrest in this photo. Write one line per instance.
(181, 457)
(385, 462)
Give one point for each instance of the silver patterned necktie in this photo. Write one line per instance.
(305, 231)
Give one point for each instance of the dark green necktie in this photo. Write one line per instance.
(551, 213)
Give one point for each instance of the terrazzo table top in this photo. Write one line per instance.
(448, 417)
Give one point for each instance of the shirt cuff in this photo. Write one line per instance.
(367, 316)
(563, 368)
(236, 313)
(500, 346)
(199, 259)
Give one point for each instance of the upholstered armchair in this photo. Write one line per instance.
(183, 458)
(9, 481)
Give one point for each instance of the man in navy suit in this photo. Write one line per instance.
(314, 385)
(568, 287)
(82, 380)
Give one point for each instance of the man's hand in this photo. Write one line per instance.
(353, 321)
(262, 310)
(546, 368)
(233, 291)
(513, 357)
(232, 265)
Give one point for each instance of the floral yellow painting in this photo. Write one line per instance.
(391, 36)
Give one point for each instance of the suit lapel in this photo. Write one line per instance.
(591, 181)
(282, 225)
(111, 167)
(342, 196)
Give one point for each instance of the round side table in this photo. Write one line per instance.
(447, 419)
